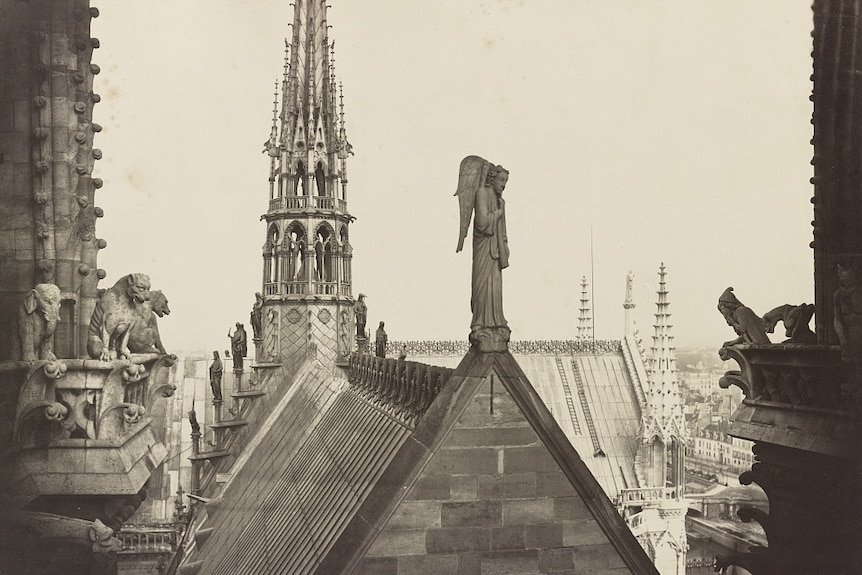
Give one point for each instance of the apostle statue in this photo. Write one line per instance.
(380, 341)
(480, 190)
(360, 310)
(238, 346)
(256, 316)
(216, 371)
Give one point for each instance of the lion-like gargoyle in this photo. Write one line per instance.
(145, 336)
(115, 315)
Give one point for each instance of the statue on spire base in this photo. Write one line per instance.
(480, 190)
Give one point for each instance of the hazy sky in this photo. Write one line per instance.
(676, 131)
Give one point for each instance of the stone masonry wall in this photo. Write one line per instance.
(47, 188)
(492, 500)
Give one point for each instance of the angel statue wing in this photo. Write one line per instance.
(472, 175)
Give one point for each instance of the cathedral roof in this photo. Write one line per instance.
(344, 484)
(562, 372)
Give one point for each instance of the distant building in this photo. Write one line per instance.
(711, 451)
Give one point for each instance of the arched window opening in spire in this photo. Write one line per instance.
(270, 261)
(323, 258)
(299, 184)
(320, 179)
(344, 241)
(294, 250)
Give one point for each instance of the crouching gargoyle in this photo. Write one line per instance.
(145, 336)
(746, 324)
(795, 318)
(115, 316)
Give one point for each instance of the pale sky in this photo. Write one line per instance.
(677, 131)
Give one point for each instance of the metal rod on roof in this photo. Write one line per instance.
(592, 286)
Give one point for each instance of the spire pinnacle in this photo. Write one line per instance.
(665, 406)
(629, 303)
(584, 325)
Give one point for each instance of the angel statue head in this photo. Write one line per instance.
(480, 191)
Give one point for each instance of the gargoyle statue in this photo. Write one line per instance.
(103, 540)
(144, 337)
(795, 318)
(743, 320)
(115, 316)
(37, 319)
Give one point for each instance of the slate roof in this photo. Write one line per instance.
(323, 479)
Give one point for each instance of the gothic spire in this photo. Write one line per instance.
(584, 326)
(663, 399)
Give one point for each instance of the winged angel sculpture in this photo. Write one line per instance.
(480, 190)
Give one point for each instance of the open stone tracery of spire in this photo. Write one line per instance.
(664, 408)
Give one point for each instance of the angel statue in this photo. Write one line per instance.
(480, 189)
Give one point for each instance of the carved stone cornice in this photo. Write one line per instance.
(80, 426)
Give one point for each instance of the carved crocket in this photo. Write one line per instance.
(115, 315)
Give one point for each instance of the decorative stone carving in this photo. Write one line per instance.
(216, 371)
(848, 314)
(403, 388)
(144, 336)
(293, 315)
(360, 311)
(271, 341)
(324, 316)
(528, 347)
(193, 421)
(38, 315)
(799, 375)
(480, 190)
(795, 318)
(103, 539)
(256, 316)
(114, 316)
(132, 414)
(380, 340)
(747, 325)
(238, 346)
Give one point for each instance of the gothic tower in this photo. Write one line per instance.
(47, 159)
(662, 450)
(307, 293)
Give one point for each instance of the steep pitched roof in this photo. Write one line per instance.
(326, 505)
(578, 381)
(502, 490)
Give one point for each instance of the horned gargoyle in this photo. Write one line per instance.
(145, 336)
(742, 319)
(115, 316)
(795, 318)
(37, 319)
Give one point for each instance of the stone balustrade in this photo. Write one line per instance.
(405, 388)
(303, 202)
(648, 495)
(523, 347)
(149, 539)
